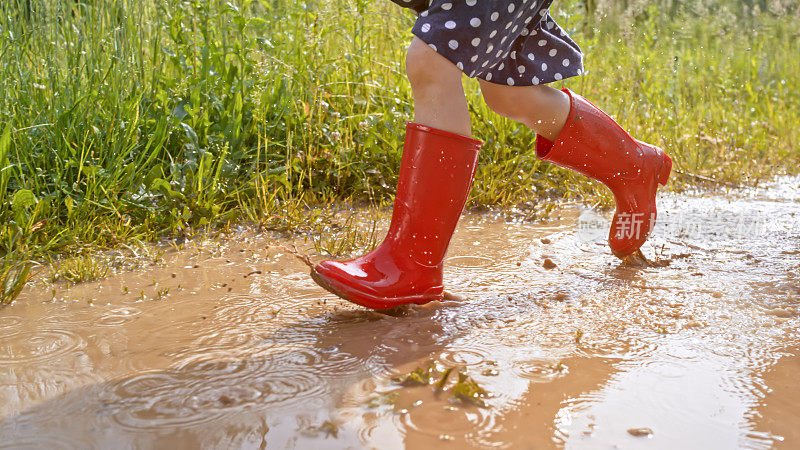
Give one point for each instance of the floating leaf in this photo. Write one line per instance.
(468, 390)
(381, 400)
(418, 377)
(445, 375)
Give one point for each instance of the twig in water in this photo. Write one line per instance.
(301, 256)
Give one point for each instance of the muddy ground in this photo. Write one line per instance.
(230, 344)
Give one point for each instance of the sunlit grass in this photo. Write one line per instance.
(77, 269)
(127, 120)
(13, 276)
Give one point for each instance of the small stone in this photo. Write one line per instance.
(549, 264)
(641, 432)
(226, 400)
(545, 241)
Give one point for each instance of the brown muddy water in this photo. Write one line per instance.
(230, 344)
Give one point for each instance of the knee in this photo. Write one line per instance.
(504, 103)
(513, 103)
(426, 69)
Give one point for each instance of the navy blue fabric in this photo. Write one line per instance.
(511, 42)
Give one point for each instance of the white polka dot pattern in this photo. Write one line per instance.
(512, 42)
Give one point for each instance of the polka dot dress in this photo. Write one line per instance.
(511, 42)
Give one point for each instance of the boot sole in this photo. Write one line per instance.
(370, 301)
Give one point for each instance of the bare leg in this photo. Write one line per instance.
(541, 108)
(439, 99)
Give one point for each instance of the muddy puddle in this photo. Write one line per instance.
(230, 344)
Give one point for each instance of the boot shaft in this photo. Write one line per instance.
(593, 144)
(436, 174)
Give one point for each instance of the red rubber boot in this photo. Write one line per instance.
(436, 175)
(593, 144)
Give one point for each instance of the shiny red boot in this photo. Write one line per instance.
(593, 144)
(436, 174)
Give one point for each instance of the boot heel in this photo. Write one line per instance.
(666, 169)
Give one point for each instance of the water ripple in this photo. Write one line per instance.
(464, 357)
(33, 346)
(470, 262)
(10, 325)
(205, 390)
(118, 316)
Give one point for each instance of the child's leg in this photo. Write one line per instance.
(439, 100)
(436, 172)
(575, 134)
(541, 108)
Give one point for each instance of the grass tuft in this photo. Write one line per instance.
(13, 276)
(77, 269)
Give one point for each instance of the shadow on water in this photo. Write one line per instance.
(302, 383)
(288, 387)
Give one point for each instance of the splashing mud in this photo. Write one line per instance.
(230, 344)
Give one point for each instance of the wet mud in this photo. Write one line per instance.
(231, 344)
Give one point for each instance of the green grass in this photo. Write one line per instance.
(77, 269)
(126, 120)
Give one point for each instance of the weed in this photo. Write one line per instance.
(464, 390)
(77, 269)
(348, 238)
(443, 380)
(13, 276)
